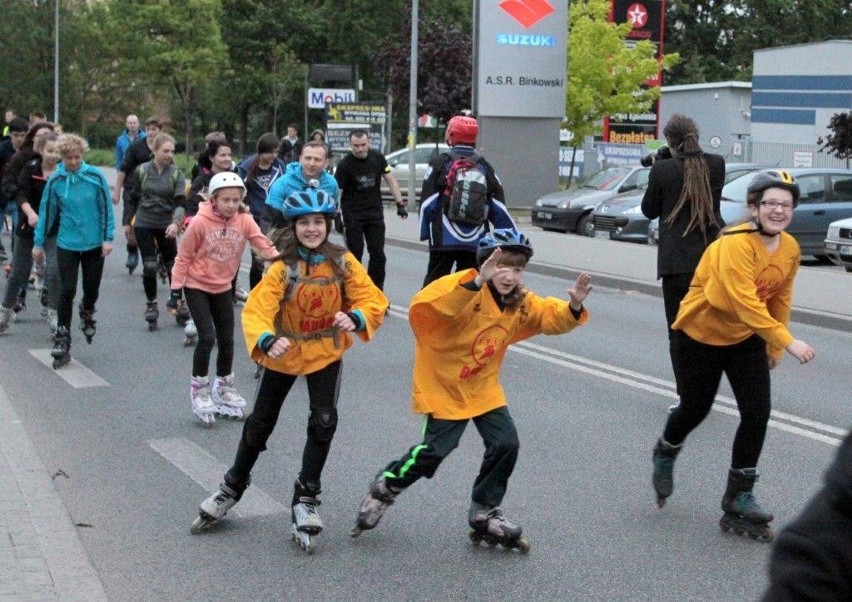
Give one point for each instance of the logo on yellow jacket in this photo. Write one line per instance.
(485, 346)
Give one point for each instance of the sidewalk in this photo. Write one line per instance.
(41, 556)
(823, 297)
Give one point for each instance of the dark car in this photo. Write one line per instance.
(570, 210)
(620, 218)
(826, 197)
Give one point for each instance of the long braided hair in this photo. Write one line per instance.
(695, 195)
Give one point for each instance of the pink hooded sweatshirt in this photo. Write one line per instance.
(212, 248)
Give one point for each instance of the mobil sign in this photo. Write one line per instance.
(317, 97)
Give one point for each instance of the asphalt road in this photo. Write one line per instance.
(135, 464)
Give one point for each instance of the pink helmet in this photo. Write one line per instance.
(461, 130)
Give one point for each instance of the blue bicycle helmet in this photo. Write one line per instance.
(306, 202)
(503, 238)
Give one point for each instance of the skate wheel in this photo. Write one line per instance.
(356, 531)
(152, 326)
(661, 501)
(523, 545)
(475, 537)
(200, 524)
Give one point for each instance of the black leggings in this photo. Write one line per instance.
(149, 241)
(213, 315)
(70, 264)
(675, 287)
(701, 367)
(323, 390)
(441, 437)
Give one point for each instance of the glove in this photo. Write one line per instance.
(401, 211)
(174, 301)
(267, 344)
(338, 223)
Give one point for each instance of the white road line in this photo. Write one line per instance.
(207, 471)
(75, 373)
(659, 386)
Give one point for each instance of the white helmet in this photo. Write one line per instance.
(225, 179)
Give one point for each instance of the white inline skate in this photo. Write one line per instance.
(215, 507)
(190, 333)
(229, 403)
(306, 521)
(199, 397)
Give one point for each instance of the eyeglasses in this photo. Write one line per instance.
(772, 205)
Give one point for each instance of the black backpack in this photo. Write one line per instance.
(466, 190)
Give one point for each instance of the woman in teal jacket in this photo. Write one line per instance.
(76, 207)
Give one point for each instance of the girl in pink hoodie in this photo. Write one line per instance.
(207, 261)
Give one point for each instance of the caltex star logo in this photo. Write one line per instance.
(637, 16)
(527, 12)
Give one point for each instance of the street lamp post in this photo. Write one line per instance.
(412, 106)
(56, 65)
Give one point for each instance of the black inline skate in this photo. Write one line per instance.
(215, 507)
(306, 521)
(132, 260)
(664, 459)
(152, 314)
(489, 525)
(373, 507)
(743, 515)
(62, 348)
(87, 323)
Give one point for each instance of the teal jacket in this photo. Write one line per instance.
(76, 208)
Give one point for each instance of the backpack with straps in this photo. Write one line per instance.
(466, 190)
(291, 281)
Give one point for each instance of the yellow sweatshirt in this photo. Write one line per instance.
(310, 310)
(461, 337)
(741, 288)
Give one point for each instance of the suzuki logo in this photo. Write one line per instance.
(527, 12)
(637, 16)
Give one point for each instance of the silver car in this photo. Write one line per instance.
(398, 161)
(838, 243)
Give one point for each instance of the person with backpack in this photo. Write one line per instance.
(461, 196)
(300, 321)
(359, 176)
(155, 207)
(208, 258)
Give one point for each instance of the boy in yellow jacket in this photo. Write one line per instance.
(463, 324)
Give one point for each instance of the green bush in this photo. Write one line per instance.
(103, 157)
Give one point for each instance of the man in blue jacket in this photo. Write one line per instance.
(308, 172)
(128, 136)
(450, 242)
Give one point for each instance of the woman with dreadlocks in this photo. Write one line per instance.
(684, 192)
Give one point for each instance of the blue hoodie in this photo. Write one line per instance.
(258, 189)
(293, 181)
(78, 205)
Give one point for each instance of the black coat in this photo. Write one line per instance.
(676, 253)
(812, 556)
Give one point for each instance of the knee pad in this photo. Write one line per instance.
(322, 424)
(255, 433)
(149, 268)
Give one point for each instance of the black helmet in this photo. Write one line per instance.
(774, 178)
(503, 238)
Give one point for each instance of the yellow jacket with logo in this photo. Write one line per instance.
(309, 311)
(461, 337)
(741, 288)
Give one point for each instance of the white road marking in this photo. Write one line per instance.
(75, 373)
(207, 471)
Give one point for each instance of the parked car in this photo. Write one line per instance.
(826, 196)
(620, 218)
(570, 210)
(838, 243)
(732, 212)
(398, 161)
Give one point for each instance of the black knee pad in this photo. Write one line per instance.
(322, 424)
(149, 268)
(255, 433)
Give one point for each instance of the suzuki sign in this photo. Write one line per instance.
(317, 97)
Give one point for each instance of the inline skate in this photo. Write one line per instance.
(199, 398)
(62, 348)
(7, 315)
(663, 479)
(132, 261)
(190, 334)
(229, 403)
(373, 507)
(306, 521)
(215, 507)
(87, 323)
(152, 314)
(489, 525)
(743, 515)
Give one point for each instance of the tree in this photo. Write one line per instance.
(605, 76)
(839, 142)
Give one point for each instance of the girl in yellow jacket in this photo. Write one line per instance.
(463, 324)
(734, 322)
(297, 321)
